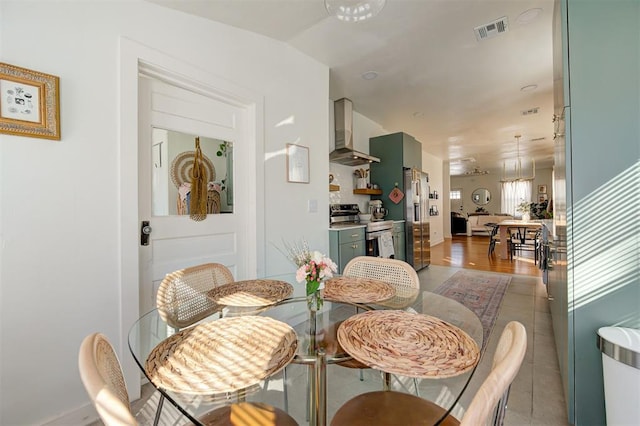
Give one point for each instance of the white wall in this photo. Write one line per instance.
(492, 182)
(59, 201)
(433, 166)
(363, 129)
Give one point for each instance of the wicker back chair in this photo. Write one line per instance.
(182, 297)
(102, 377)
(399, 274)
(492, 396)
(488, 404)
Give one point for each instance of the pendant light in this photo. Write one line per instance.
(520, 168)
(354, 10)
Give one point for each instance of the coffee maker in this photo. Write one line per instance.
(377, 211)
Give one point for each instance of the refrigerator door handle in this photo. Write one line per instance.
(416, 213)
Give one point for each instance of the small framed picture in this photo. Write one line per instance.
(542, 197)
(542, 189)
(29, 103)
(297, 163)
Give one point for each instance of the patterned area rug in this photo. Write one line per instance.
(481, 293)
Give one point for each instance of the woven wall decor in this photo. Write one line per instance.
(182, 166)
(199, 179)
(225, 355)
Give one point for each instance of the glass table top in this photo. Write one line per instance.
(314, 333)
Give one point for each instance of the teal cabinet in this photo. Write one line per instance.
(396, 152)
(345, 244)
(599, 64)
(399, 241)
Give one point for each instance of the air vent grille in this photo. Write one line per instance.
(530, 111)
(492, 29)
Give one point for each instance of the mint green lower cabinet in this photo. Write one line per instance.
(346, 244)
(399, 241)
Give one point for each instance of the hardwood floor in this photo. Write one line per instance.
(471, 253)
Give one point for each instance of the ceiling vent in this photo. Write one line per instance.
(491, 29)
(530, 111)
(463, 160)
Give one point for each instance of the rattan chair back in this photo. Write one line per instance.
(396, 272)
(182, 296)
(101, 374)
(492, 396)
(391, 407)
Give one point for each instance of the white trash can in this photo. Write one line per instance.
(620, 349)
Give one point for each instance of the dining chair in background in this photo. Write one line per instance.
(493, 237)
(488, 404)
(182, 296)
(101, 374)
(399, 274)
(522, 239)
(182, 301)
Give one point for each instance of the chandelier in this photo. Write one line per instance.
(354, 10)
(519, 168)
(476, 172)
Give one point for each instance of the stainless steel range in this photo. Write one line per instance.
(378, 233)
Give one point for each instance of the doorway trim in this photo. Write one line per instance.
(133, 56)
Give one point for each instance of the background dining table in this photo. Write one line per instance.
(503, 233)
(317, 348)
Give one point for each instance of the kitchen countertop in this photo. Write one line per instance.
(347, 226)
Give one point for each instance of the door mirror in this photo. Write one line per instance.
(172, 161)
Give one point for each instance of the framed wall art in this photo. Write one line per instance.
(297, 163)
(542, 189)
(542, 197)
(29, 103)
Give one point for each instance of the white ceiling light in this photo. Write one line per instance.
(528, 16)
(354, 10)
(476, 172)
(370, 75)
(519, 168)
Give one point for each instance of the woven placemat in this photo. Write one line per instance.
(222, 356)
(251, 293)
(357, 290)
(408, 344)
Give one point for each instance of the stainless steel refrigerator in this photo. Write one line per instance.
(416, 196)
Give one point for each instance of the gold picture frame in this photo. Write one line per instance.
(29, 103)
(297, 163)
(542, 189)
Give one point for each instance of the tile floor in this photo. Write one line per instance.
(536, 396)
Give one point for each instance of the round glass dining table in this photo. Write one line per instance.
(317, 350)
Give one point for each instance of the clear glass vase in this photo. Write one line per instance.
(314, 301)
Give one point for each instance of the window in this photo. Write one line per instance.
(514, 193)
(455, 194)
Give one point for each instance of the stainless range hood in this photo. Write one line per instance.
(344, 152)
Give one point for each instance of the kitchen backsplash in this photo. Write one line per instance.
(343, 177)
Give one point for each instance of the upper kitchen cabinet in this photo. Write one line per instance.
(396, 151)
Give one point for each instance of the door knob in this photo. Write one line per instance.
(145, 231)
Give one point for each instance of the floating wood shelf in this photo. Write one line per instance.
(334, 188)
(368, 191)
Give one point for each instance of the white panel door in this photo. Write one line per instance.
(176, 241)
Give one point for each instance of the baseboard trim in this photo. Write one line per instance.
(436, 242)
(83, 415)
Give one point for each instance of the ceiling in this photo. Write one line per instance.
(462, 98)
